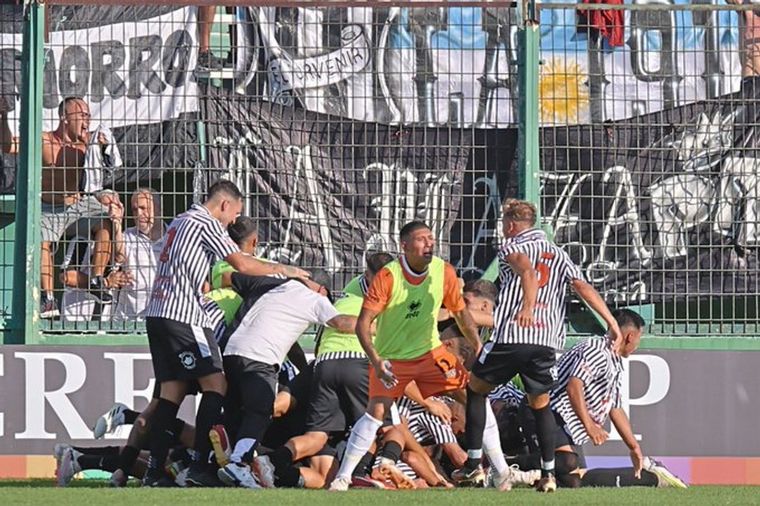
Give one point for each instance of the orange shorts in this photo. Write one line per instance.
(435, 372)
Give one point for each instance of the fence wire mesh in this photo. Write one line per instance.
(342, 123)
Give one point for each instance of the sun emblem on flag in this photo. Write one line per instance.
(562, 92)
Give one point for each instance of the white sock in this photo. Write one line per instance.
(241, 448)
(362, 436)
(492, 442)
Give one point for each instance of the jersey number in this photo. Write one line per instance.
(543, 270)
(167, 246)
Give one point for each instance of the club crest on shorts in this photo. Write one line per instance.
(187, 358)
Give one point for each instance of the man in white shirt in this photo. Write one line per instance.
(137, 250)
(273, 315)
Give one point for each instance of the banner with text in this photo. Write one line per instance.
(50, 394)
(325, 192)
(134, 71)
(663, 206)
(457, 65)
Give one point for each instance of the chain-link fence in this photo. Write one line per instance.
(342, 123)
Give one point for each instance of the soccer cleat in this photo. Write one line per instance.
(469, 477)
(546, 484)
(237, 475)
(221, 444)
(68, 466)
(263, 470)
(664, 477)
(181, 478)
(201, 475)
(108, 422)
(388, 471)
(501, 482)
(58, 451)
(118, 479)
(516, 476)
(49, 309)
(366, 482)
(157, 480)
(340, 484)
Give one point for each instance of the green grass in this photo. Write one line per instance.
(93, 493)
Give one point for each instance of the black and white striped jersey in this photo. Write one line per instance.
(601, 371)
(554, 270)
(216, 317)
(507, 393)
(426, 428)
(194, 241)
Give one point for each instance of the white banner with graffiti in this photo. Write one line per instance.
(458, 65)
(130, 73)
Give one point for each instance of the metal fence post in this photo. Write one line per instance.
(528, 42)
(26, 276)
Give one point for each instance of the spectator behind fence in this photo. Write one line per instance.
(138, 249)
(69, 199)
(206, 58)
(78, 304)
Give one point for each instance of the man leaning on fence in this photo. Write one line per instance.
(70, 182)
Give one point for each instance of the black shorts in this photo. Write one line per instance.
(251, 391)
(499, 363)
(180, 351)
(339, 394)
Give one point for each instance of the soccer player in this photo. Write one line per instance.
(405, 297)
(184, 352)
(480, 297)
(274, 314)
(587, 392)
(339, 386)
(529, 328)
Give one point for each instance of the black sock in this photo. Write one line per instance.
(288, 476)
(209, 414)
(281, 458)
(130, 416)
(177, 427)
(476, 422)
(391, 450)
(98, 450)
(127, 458)
(545, 429)
(618, 477)
(568, 480)
(161, 435)
(566, 462)
(365, 463)
(105, 462)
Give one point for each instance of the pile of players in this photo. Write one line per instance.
(417, 380)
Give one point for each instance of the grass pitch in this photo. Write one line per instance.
(91, 493)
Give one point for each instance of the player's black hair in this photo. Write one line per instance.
(321, 277)
(482, 288)
(377, 261)
(242, 229)
(224, 187)
(410, 228)
(627, 317)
